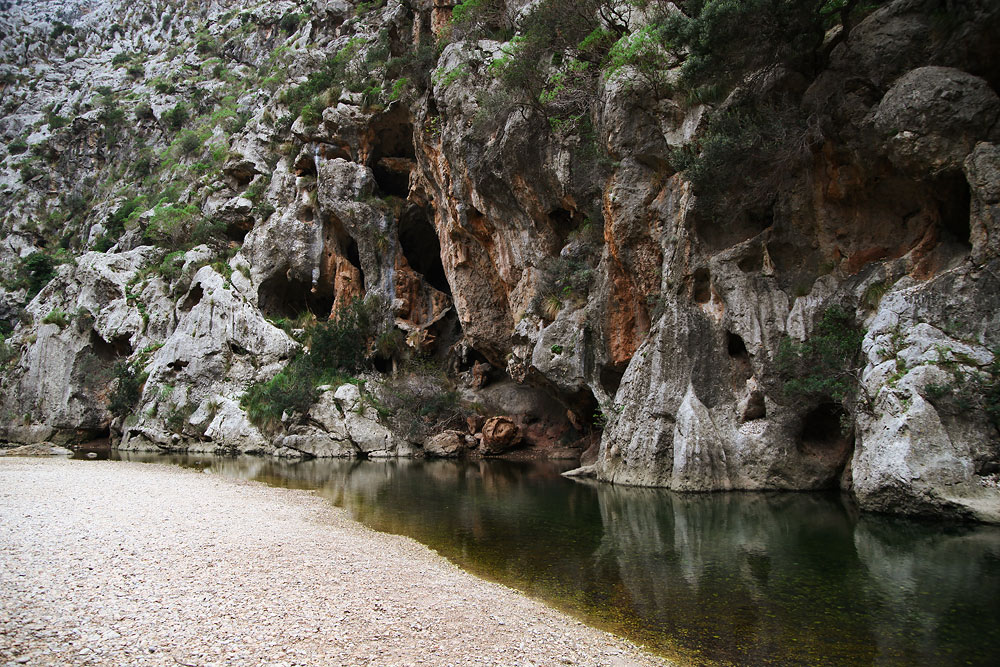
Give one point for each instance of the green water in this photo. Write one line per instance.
(734, 578)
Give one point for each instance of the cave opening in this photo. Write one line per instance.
(392, 177)
(954, 206)
(823, 431)
(354, 257)
(237, 232)
(284, 297)
(422, 249)
(391, 153)
(611, 378)
(194, 296)
(702, 286)
(109, 352)
(563, 223)
(737, 351)
(305, 164)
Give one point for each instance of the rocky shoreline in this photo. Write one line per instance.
(110, 563)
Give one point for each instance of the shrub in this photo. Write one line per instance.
(57, 317)
(37, 269)
(823, 366)
(338, 347)
(170, 225)
(128, 390)
(120, 59)
(177, 117)
(8, 353)
(143, 111)
(17, 146)
(187, 143)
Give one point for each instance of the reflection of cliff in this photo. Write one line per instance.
(738, 572)
(932, 581)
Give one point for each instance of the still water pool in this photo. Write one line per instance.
(733, 578)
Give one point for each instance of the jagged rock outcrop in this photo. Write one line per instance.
(223, 179)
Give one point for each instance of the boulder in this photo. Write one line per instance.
(447, 444)
(499, 435)
(932, 118)
(39, 449)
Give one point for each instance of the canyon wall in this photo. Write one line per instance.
(187, 190)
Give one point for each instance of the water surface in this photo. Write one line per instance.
(733, 578)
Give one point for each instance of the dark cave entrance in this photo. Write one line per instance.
(701, 289)
(740, 357)
(563, 223)
(283, 297)
(824, 437)
(392, 155)
(954, 206)
(821, 427)
(422, 249)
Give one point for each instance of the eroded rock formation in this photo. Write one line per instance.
(224, 176)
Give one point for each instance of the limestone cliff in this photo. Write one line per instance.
(190, 191)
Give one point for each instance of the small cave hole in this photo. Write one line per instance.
(822, 429)
(702, 286)
(280, 296)
(422, 249)
(194, 296)
(122, 345)
(305, 165)
(308, 214)
(563, 222)
(752, 262)
(588, 410)
(102, 349)
(178, 365)
(237, 233)
(354, 257)
(392, 177)
(955, 207)
(392, 136)
(611, 379)
(737, 351)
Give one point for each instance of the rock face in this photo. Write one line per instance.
(446, 445)
(220, 178)
(499, 435)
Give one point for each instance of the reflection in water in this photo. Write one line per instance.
(751, 579)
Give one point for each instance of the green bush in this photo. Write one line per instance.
(823, 367)
(177, 117)
(37, 269)
(8, 353)
(56, 317)
(17, 146)
(120, 59)
(128, 390)
(187, 143)
(338, 347)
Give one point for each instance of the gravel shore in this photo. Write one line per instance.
(110, 563)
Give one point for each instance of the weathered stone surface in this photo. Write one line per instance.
(499, 435)
(39, 449)
(932, 118)
(446, 445)
(918, 450)
(982, 169)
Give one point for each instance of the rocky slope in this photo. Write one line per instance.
(189, 193)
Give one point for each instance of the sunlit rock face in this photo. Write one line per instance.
(206, 182)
